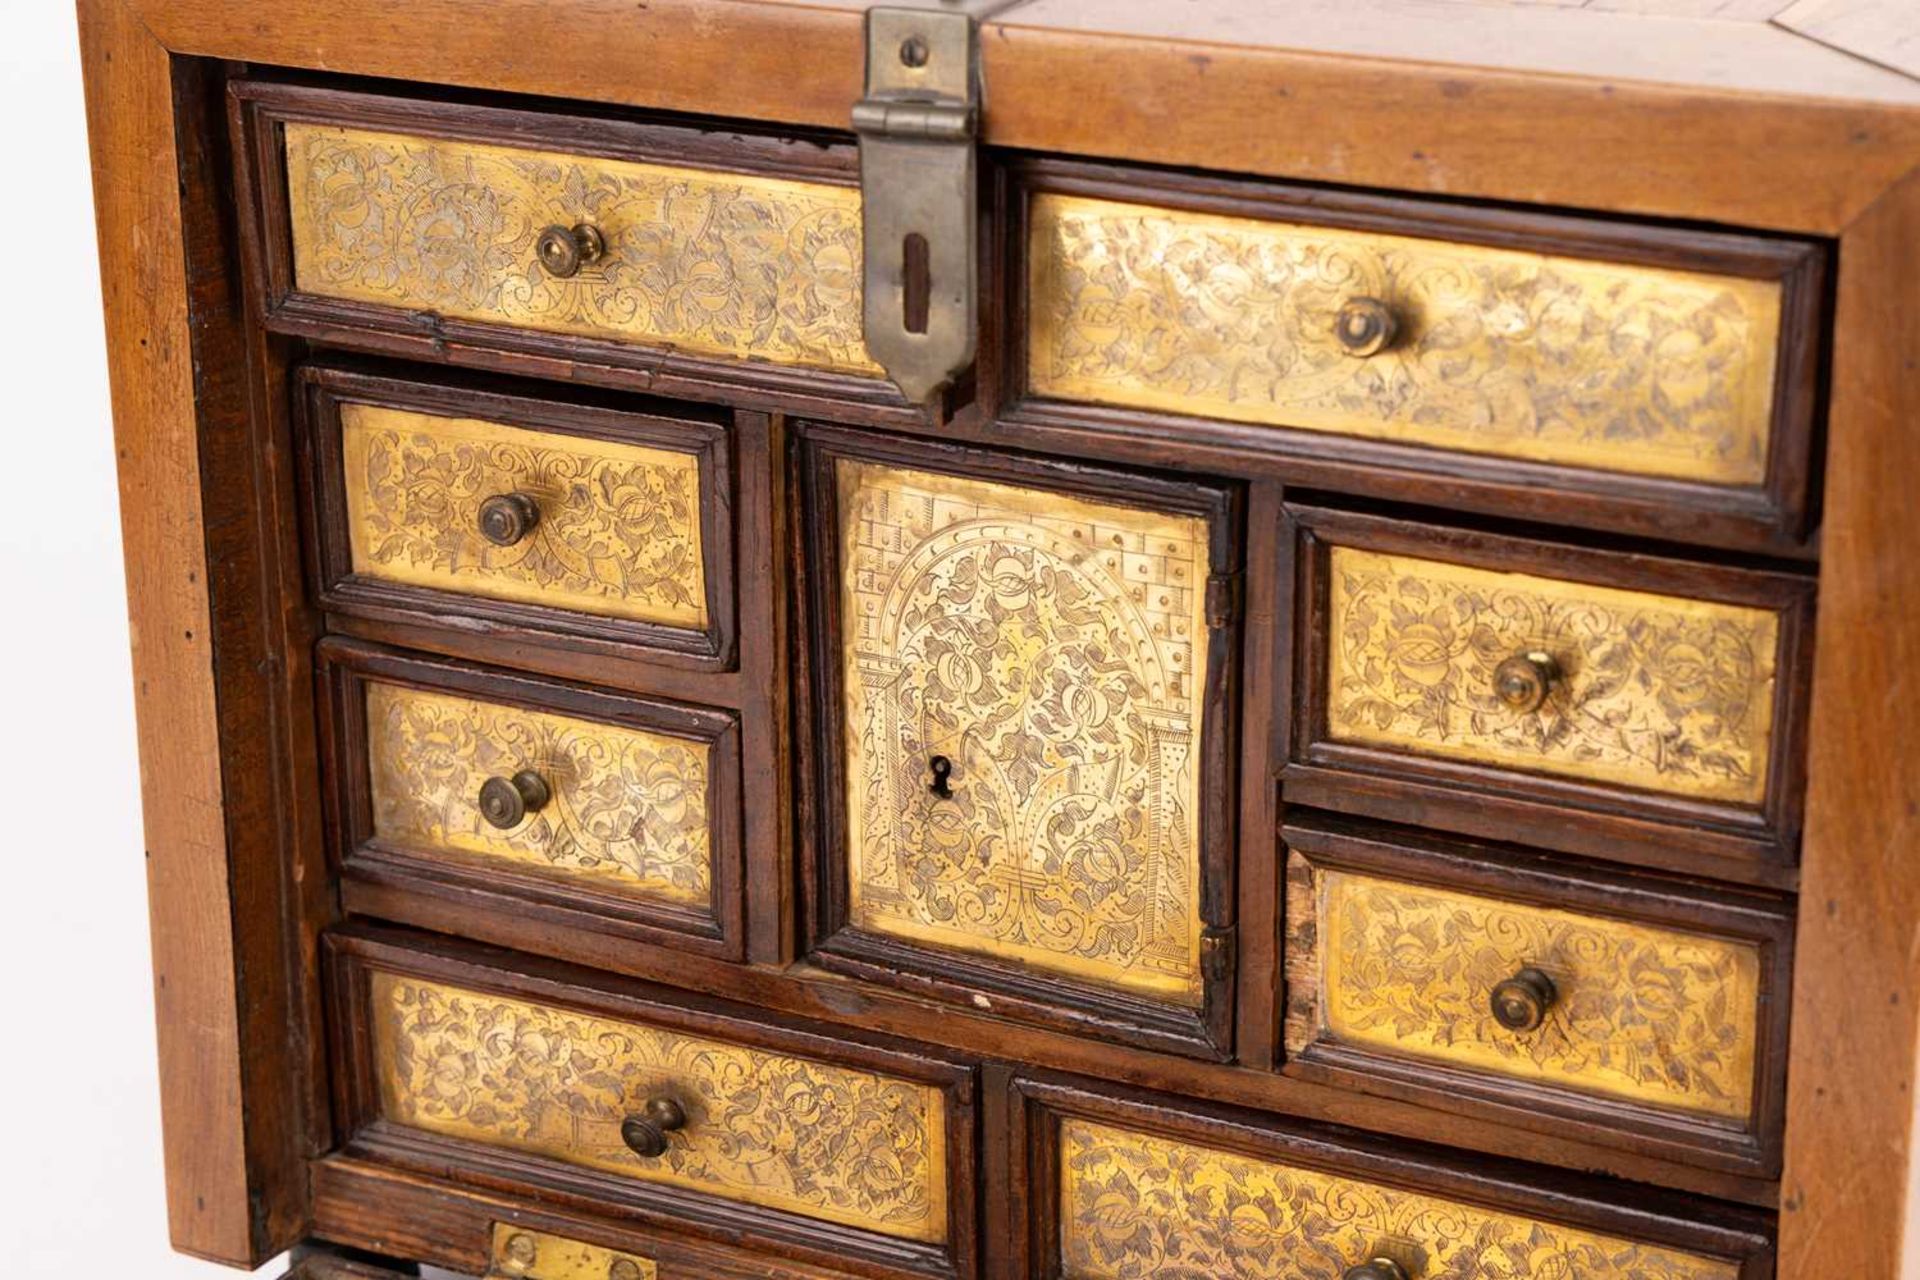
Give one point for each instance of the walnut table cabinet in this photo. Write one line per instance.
(1017, 639)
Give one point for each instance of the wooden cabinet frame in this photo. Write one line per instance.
(236, 915)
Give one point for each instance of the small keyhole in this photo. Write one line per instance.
(916, 275)
(942, 770)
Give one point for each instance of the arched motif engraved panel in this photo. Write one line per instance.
(1658, 692)
(833, 1143)
(1054, 650)
(619, 530)
(1518, 354)
(1656, 1015)
(1135, 1206)
(629, 810)
(734, 265)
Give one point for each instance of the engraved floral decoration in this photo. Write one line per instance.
(618, 531)
(732, 265)
(1656, 1015)
(628, 807)
(1054, 651)
(829, 1142)
(1605, 365)
(1140, 1207)
(1655, 692)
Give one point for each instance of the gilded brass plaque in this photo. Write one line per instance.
(715, 264)
(1658, 692)
(832, 1143)
(1517, 354)
(1054, 651)
(628, 809)
(520, 1254)
(1659, 1016)
(1140, 1207)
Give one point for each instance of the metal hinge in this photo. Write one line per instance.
(516, 1253)
(1217, 946)
(919, 182)
(1223, 599)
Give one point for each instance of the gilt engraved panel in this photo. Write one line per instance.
(1658, 692)
(618, 531)
(832, 1143)
(1517, 354)
(629, 808)
(1054, 650)
(1655, 1015)
(1135, 1206)
(718, 264)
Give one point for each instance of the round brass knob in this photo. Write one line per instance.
(564, 250)
(1521, 1002)
(506, 518)
(1365, 326)
(1375, 1269)
(506, 802)
(1523, 681)
(646, 1133)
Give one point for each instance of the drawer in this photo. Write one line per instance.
(624, 1101)
(589, 808)
(1591, 701)
(1130, 1191)
(675, 257)
(1540, 994)
(1024, 674)
(529, 518)
(1619, 369)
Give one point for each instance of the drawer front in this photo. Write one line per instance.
(1135, 1205)
(739, 266)
(1608, 366)
(1024, 675)
(1581, 693)
(771, 1129)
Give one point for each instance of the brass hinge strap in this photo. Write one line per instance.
(933, 121)
(1223, 599)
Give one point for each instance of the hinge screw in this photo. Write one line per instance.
(914, 51)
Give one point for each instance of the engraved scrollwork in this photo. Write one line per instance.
(618, 526)
(1653, 1014)
(1139, 1207)
(1052, 652)
(1658, 692)
(1620, 367)
(830, 1142)
(732, 265)
(629, 808)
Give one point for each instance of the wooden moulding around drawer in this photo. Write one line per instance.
(1548, 366)
(630, 550)
(1671, 734)
(1108, 1189)
(409, 226)
(514, 1075)
(1665, 1030)
(640, 837)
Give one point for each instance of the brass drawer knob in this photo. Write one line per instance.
(1523, 681)
(564, 250)
(646, 1133)
(1521, 1002)
(1365, 326)
(506, 802)
(506, 518)
(1376, 1269)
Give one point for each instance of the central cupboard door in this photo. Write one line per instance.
(1023, 673)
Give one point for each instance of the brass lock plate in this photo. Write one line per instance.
(520, 1254)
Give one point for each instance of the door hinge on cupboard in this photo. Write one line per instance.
(919, 128)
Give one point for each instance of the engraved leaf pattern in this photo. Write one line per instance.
(1654, 1014)
(1049, 649)
(1661, 693)
(1627, 368)
(628, 807)
(831, 1142)
(1139, 1207)
(718, 264)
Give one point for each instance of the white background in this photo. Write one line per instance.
(80, 1177)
